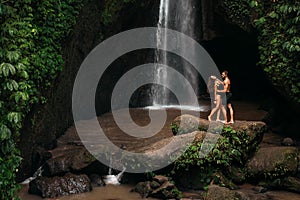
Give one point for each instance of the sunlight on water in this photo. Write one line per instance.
(179, 107)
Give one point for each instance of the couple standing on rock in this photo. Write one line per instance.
(221, 95)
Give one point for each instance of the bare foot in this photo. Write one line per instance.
(209, 118)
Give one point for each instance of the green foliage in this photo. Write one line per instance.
(230, 149)
(278, 25)
(279, 43)
(177, 194)
(31, 36)
(112, 9)
(237, 13)
(174, 128)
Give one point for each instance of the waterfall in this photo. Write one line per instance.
(179, 16)
(185, 23)
(161, 94)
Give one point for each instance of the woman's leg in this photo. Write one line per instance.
(216, 108)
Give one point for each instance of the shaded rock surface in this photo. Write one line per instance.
(60, 186)
(288, 183)
(216, 192)
(273, 162)
(96, 180)
(68, 158)
(288, 142)
(159, 187)
(188, 123)
(254, 129)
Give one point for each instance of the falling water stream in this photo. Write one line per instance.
(161, 94)
(178, 16)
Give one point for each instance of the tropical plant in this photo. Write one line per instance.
(32, 33)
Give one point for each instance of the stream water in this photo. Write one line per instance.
(109, 192)
(122, 192)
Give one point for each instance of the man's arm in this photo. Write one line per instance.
(226, 85)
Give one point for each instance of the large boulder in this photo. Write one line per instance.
(67, 158)
(222, 150)
(287, 183)
(70, 155)
(188, 123)
(250, 132)
(159, 187)
(216, 192)
(60, 186)
(273, 162)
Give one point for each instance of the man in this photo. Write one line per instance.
(227, 84)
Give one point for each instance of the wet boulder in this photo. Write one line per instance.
(273, 162)
(96, 180)
(216, 192)
(67, 158)
(288, 183)
(159, 187)
(188, 123)
(252, 132)
(51, 187)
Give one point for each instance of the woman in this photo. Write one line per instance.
(213, 85)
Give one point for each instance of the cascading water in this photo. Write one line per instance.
(161, 94)
(185, 23)
(179, 16)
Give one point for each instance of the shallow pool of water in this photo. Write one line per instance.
(109, 192)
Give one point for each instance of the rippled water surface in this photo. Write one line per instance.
(109, 192)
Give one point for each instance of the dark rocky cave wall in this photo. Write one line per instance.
(233, 49)
(229, 47)
(236, 51)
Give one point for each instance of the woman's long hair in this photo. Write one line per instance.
(210, 84)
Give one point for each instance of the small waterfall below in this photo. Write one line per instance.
(178, 16)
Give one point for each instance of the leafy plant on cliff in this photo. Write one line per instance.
(278, 26)
(112, 9)
(32, 33)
